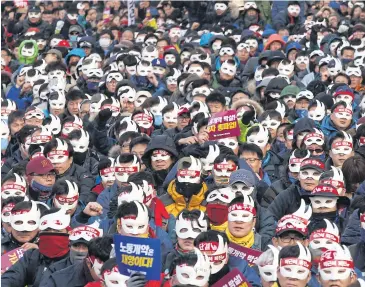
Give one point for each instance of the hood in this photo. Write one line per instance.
(291, 46)
(28, 60)
(159, 142)
(304, 124)
(273, 38)
(179, 199)
(75, 52)
(259, 109)
(276, 85)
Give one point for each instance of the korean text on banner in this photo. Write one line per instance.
(248, 254)
(223, 125)
(10, 258)
(131, 16)
(233, 279)
(135, 254)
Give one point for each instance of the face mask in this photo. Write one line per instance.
(217, 213)
(242, 188)
(104, 42)
(241, 212)
(4, 143)
(230, 143)
(136, 225)
(113, 278)
(323, 202)
(188, 189)
(309, 173)
(301, 113)
(53, 245)
(79, 157)
(77, 256)
(73, 38)
(158, 120)
(39, 191)
(346, 61)
(261, 138)
(92, 87)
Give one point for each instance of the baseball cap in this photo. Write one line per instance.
(311, 163)
(244, 176)
(34, 9)
(56, 52)
(159, 63)
(39, 165)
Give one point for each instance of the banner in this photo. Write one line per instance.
(131, 17)
(250, 255)
(233, 279)
(10, 258)
(223, 125)
(135, 254)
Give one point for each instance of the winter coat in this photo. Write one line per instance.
(91, 165)
(358, 255)
(217, 82)
(245, 269)
(286, 202)
(275, 188)
(55, 267)
(8, 244)
(175, 202)
(351, 235)
(283, 20)
(101, 141)
(265, 226)
(272, 164)
(28, 270)
(329, 128)
(105, 197)
(10, 162)
(45, 29)
(77, 275)
(83, 178)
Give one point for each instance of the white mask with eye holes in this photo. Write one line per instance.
(192, 174)
(316, 137)
(186, 228)
(170, 117)
(319, 113)
(144, 120)
(344, 98)
(286, 69)
(242, 188)
(342, 147)
(243, 211)
(201, 90)
(218, 258)
(126, 93)
(82, 144)
(136, 225)
(136, 194)
(26, 220)
(141, 96)
(96, 106)
(220, 6)
(228, 68)
(296, 267)
(16, 188)
(225, 194)
(181, 86)
(226, 51)
(170, 59)
(175, 32)
(325, 238)
(294, 10)
(131, 70)
(151, 42)
(309, 173)
(68, 127)
(269, 123)
(209, 160)
(323, 202)
(359, 61)
(216, 45)
(27, 52)
(243, 46)
(196, 70)
(302, 60)
(112, 278)
(149, 53)
(185, 55)
(252, 43)
(258, 74)
(224, 169)
(144, 70)
(261, 138)
(229, 142)
(268, 272)
(157, 109)
(197, 275)
(294, 162)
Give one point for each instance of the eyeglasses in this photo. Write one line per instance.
(251, 160)
(288, 239)
(317, 150)
(45, 176)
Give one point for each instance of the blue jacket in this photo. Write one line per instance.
(105, 197)
(21, 102)
(351, 235)
(329, 129)
(245, 269)
(278, 6)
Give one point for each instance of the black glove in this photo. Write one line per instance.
(103, 117)
(248, 116)
(136, 280)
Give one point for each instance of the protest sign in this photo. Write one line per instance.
(223, 125)
(250, 255)
(135, 254)
(10, 258)
(131, 16)
(233, 279)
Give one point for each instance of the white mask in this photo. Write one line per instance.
(228, 68)
(242, 212)
(261, 138)
(26, 220)
(220, 6)
(224, 169)
(122, 172)
(229, 142)
(309, 173)
(286, 69)
(17, 188)
(192, 174)
(60, 154)
(225, 194)
(218, 258)
(113, 278)
(298, 268)
(209, 160)
(136, 225)
(185, 228)
(319, 113)
(82, 144)
(294, 10)
(70, 201)
(58, 220)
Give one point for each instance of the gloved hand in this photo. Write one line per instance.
(136, 280)
(248, 116)
(103, 117)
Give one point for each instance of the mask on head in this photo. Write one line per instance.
(69, 201)
(17, 188)
(136, 224)
(296, 267)
(219, 253)
(261, 138)
(122, 172)
(112, 278)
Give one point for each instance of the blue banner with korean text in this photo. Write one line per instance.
(135, 254)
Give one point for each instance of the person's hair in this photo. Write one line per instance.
(53, 144)
(227, 157)
(61, 187)
(104, 32)
(150, 102)
(347, 48)
(255, 129)
(210, 235)
(23, 205)
(55, 66)
(75, 134)
(143, 139)
(24, 132)
(216, 97)
(289, 251)
(360, 132)
(121, 125)
(50, 211)
(251, 148)
(109, 265)
(239, 199)
(127, 208)
(11, 199)
(202, 123)
(273, 114)
(128, 136)
(206, 66)
(15, 115)
(182, 77)
(74, 95)
(104, 163)
(139, 177)
(269, 72)
(100, 247)
(195, 63)
(353, 169)
(287, 129)
(127, 158)
(193, 215)
(342, 74)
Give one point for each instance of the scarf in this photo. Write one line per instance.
(220, 228)
(246, 241)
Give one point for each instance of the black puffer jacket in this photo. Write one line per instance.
(57, 266)
(274, 167)
(45, 29)
(275, 188)
(91, 164)
(29, 270)
(358, 254)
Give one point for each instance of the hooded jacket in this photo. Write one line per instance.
(329, 128)
(44, 28)
(351, 235)
(273, 38)
(28, 60)
(275, 188)
(283, 20)
(175, 202)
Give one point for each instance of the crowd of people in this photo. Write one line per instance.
(106, 123)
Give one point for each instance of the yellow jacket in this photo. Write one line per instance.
(175, 202)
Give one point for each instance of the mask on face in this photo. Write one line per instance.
(188, 189)
(73, 38)
(217, 213)
(77, 256)
(39, 191)
(301, 113)
(4, 143)
(104, 42)
(53, 245)
(92, 87)
(79, 157)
